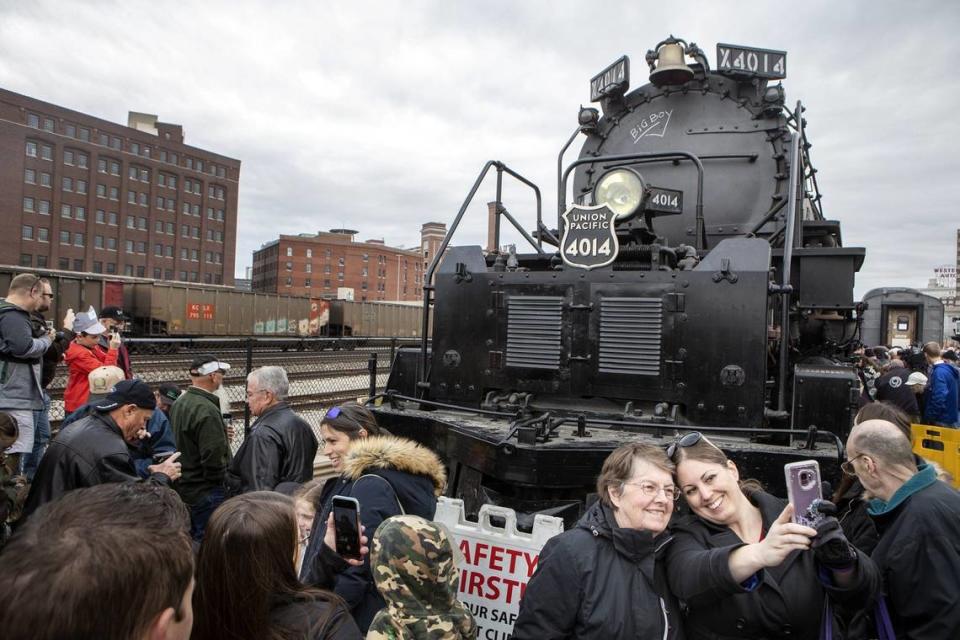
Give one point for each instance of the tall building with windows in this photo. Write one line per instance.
(317, 265)
(83, 194)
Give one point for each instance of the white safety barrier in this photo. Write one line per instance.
(497, 562)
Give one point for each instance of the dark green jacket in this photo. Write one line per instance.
(202, 442)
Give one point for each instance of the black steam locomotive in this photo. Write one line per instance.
(692, 283)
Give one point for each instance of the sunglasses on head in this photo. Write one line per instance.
(333, 413)
(684, 441)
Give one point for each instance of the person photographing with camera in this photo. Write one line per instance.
(83, 356)
(113, 319)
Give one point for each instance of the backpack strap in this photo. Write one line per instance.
(392, 490)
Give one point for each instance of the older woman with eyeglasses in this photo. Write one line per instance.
(741, 566)
(603, 578)
(388, 476)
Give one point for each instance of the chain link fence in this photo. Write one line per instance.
(322, 371)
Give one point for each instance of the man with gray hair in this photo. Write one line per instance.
(918, 519)
(281, 445)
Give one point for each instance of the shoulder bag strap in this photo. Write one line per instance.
(392, 490)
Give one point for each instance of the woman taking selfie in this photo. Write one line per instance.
(603, 578)
(247, 585)
(741, 566)
(387, 476)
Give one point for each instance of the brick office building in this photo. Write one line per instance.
(317, 265)
(83, 194)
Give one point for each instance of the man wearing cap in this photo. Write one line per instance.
(21, 352)
(113, 318)
(83, 356)
(94, 450)
(281, 445)
(892, 387)
(201, 437)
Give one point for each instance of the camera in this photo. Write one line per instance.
(807, 478)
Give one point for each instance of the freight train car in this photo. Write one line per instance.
(181, 309)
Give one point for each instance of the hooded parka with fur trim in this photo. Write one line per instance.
(383, 473)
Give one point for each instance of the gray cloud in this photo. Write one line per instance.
(378, 115)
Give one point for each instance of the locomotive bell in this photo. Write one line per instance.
(671, 69)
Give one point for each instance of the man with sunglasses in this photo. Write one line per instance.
(918, 519)
(21, 355)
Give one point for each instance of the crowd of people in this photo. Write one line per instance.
(137, 521)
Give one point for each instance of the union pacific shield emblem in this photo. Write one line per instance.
(589, 237)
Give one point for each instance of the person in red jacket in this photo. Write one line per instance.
(83, 356)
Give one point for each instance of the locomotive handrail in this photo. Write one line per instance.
(789, 239)
(701, 242)
(428, 278)
(658, 427)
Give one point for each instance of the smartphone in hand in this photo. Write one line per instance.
(346, 523)
(158, 458)
(803, 490)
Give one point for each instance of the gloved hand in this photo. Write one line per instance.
(830, 546)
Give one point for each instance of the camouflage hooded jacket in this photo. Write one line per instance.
(415, 570)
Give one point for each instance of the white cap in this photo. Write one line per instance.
(916, 378)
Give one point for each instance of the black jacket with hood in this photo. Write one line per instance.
(601, 581)
(406, 472)
(787, 601)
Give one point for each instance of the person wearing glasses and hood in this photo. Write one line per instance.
(604, 578)
(388, 476)
(743, 568)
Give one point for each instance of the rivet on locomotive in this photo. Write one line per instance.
(692, 283)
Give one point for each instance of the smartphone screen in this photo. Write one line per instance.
(803, 488)
(346, 523)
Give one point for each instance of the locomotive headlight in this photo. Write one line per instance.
(621, 190)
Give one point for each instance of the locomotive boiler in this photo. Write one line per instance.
(692, 281)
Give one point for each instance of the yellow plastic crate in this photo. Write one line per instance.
(940, 445)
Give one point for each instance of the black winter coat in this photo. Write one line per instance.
(788, 601)
(600, 581)
(414, 476)
(280, 448)
(919, 559)
(308, 618)
(91, 452)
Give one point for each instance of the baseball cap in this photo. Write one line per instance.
(102, 380)
(112, 313)
(168, 393)
(88, 323)
(128, 392)
(916, 378)
(206, 364)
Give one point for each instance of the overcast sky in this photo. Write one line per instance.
(378, 116)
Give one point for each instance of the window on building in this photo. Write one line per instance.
(111, 244)
(157, 273)
(68, 157)
(29, 205)
(104, 140)
(114, 168)
(82, 186)
(168, 274)
(102, 165)
(70, 130)
(101, 216)
(26, 232)
(132, 197)
(43, 234)
(84, 134)
(289, 266)
(63, 263)
(142, 247)
(31, 149)
(170, 228)
(46, 152)
(114, 193)
(67, 184)
(128, 246)
(30, 177)
(171, 204)
(97, 266)
(128, 270)
(326, 284)
(135, 148)
(80, 213)
(78, 239)
(64, 237)
(82, 160)
(112, 218)
(142, 224)
(168, 251)
(33, 121)
(131, 222)
(46, 180)
(195, 209)
(111, 267)
(289, 281)
(98, 242)
(48, 124)
(44, 208)
(66, 211)
(194, 255)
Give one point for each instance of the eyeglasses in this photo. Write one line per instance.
(687, 440)
(847, 466)
(332, 413)
(651, 490)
